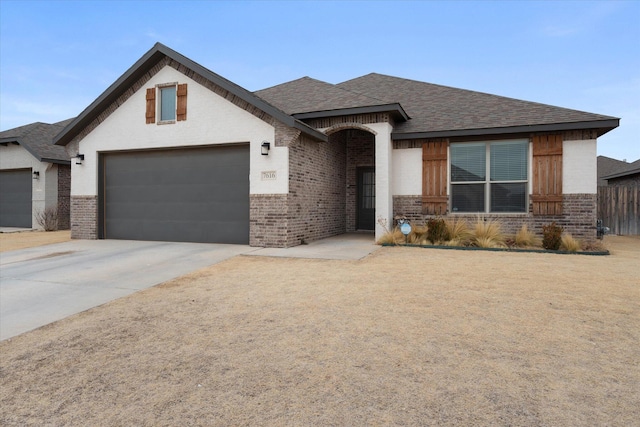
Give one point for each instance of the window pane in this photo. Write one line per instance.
(508, 197)
(168, 103)
(509, 161)
(467, 198)
(468, 162)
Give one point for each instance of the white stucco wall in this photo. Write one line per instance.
(579, 167)
(407, 172)
(210, 120)
(44, 191)
(384, 176)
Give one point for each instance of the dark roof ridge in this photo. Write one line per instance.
(291, 81)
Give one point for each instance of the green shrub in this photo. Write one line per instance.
(437, 231)
(552, 236)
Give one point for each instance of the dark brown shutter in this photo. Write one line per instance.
(181, 111)
(547, 175)
(151, 105)
(434, 178)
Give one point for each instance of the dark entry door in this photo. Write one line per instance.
(186, 195)
(15, 198)
(366, 209)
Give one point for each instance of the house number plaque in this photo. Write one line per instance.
(268, 175)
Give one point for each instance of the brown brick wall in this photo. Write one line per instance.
(64, 192)
(579, 216)
(268, 220)
(353, 121)
(317, 181)
(84, 217)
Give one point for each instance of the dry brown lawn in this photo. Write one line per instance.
(29, 239)
(406, 336)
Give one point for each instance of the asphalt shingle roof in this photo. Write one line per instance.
(37, 138)
(307, 95)
(431, 108)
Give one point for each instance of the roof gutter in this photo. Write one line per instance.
(602, 126)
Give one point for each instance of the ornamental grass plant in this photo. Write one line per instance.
(393, 237)
(569, 243)
(459, 233)
(526, 238)
(418, 235)
(487, 233)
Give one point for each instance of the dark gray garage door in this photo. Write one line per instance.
(186, 195)
(15, 198)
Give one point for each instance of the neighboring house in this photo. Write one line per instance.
(608, 166)
(173, 151)
(34, 175)
(627, 177)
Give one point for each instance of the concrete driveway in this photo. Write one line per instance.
(48, 283)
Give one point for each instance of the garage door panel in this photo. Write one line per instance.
(192, 195)
(16, 198)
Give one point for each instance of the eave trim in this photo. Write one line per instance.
(603, 126)
(395, 109)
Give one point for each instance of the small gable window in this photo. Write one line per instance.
(169, 100)
(167, 103)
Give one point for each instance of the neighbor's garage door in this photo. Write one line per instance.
(185, 195)
(15, 198)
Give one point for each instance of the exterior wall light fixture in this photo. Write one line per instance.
(36, 175)
(265, 147)
(79, 158)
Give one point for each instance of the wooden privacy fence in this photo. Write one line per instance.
(619, 208)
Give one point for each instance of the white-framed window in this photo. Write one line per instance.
(167, 103)
(489, 176)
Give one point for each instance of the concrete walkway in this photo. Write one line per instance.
(350, 246)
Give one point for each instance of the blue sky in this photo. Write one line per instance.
(56, 57)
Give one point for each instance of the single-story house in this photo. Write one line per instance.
(34, 175)
(609, 166)
(173, 151)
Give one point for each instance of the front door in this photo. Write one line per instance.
(366, 207)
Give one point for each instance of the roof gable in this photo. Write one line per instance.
(149, 60)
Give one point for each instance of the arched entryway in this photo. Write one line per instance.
(360, 197)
